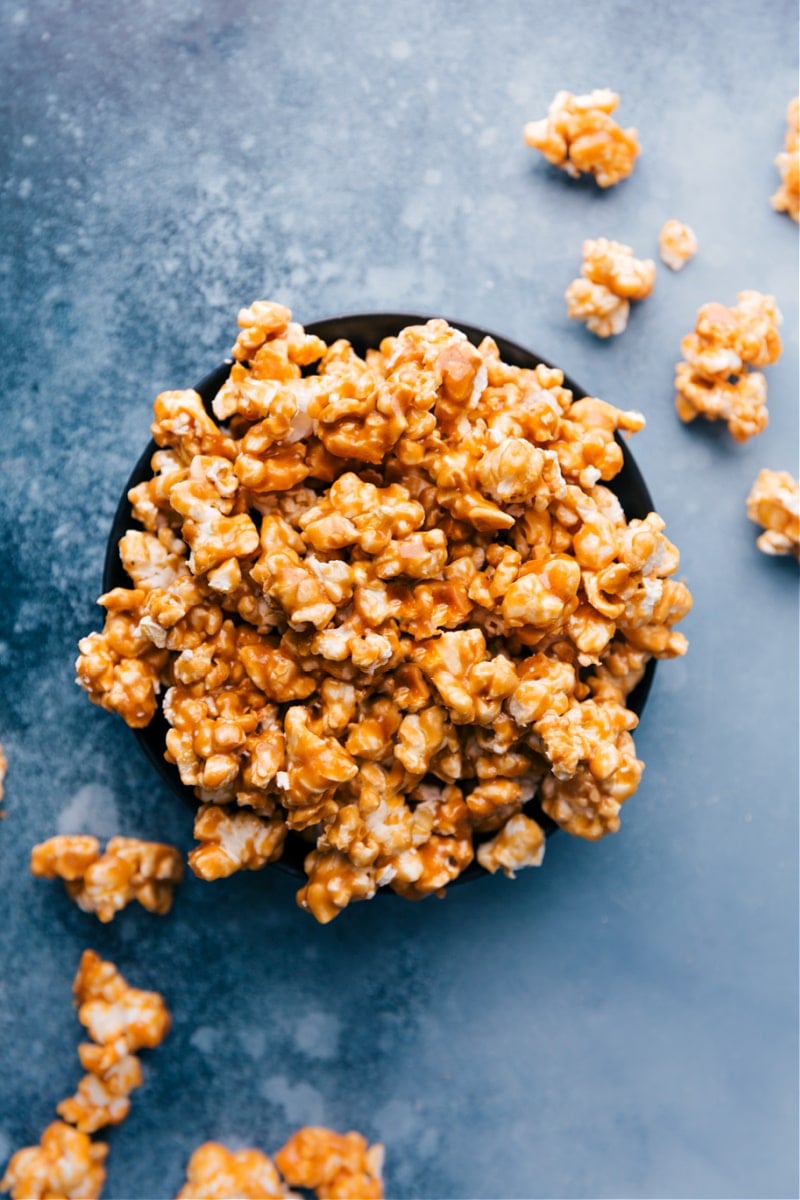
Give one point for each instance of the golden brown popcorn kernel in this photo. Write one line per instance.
(588, 806)
(120, 668)
(610, 278)
(183, 425)
(66, 1165)
(333, 883)
(215, 1173)
(129, 869)
(335, 1166)
(774, 502)
(234, 841)
(103, 1099)
(715, 380)
(520, 843)
(580, 136)
(787, 197)
(119, 1018)
(677, 243)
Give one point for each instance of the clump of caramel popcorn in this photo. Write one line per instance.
(787, 197)
(387, 603)
(774, 503)
(66, 1165)
(580, 136)
(334, 1166)
(610, 278)
(120, 1020)
(129, 869)
(715, 380)
(677, 243)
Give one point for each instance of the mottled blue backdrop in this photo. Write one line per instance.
(622, 1023)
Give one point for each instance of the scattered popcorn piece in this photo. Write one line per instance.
(715, 380)
(129, 869)
(215, 1173)
(787, 197)
(384, 603)
(66, 1165)
(610, 278)
(774, 502)
(520, 843)
(677, 243)
(120, 1020)
(580, 136)
(336, 1166)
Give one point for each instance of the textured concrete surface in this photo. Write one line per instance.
(622, 1023)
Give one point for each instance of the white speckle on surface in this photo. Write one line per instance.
(301, 1103)
(317, 1035)
(433, 177)
(397, 1121)
(253, 1041)
(487, 137)
(400, 51)
(20, 18)
(25, 188)
(204, 1039)
(92, 809)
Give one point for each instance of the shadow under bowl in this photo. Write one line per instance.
(363, 331)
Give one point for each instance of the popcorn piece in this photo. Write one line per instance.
(129, 869)
(102, 1099)
(787, 197)
(336, 1166)
(233, 841)
(715, 380)
(610, 278)
(677, 243)
(119, 1019)
(580, 136)
(65, 1164)
(386, 601)
(774, 502)
(520, 843)
(215, 1173)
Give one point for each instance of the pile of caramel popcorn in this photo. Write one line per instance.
(774, 503)
(787, 197)
(386, 601)
(677, 243)
(334, 1166)
(715, 380)
(610, 278)
(580, 136)
(129, 869)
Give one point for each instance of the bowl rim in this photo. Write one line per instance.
(114, 574)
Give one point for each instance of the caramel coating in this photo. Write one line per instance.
(677, 243)
(120, 1020)
(66, 1165)
(387, 602)
(715, 379)
(610, 278)
(580, 136)
(787, 197)
(334, 1166)
(774, 502)
(103, 884)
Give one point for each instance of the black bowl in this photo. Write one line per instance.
(363, 330)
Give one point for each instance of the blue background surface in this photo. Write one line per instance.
(623, 1022)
